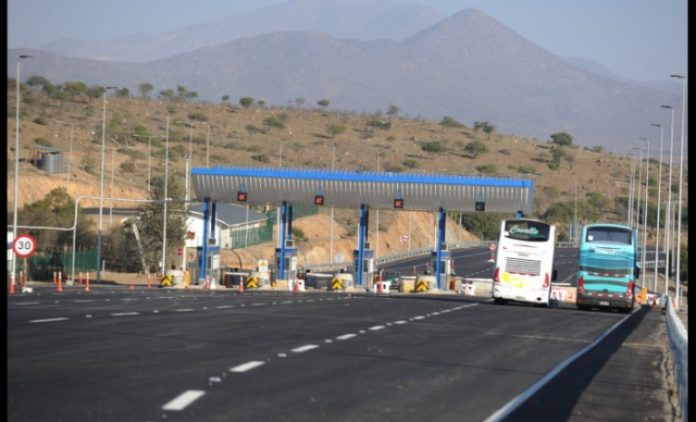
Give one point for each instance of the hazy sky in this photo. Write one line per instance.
(635, 39)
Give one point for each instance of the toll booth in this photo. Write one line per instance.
(212, 266)
(290, 264)
(368, 265)
(446, 266)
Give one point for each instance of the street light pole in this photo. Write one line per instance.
(149, 157)
(207, 149)
(101, 184)
(636, 195)
(668, 222)
(645, 211)
(16, 175)
(166, 173)
(681, 183)
(659, 189)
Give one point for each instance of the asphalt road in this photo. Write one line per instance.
(116, 354)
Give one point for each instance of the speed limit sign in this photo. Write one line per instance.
(24, 246)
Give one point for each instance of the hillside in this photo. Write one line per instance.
(257, 136)
(467, 65)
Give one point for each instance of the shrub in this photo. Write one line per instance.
(448, 121)
(43, 142)
(128, 167)
(475, 148)
(525, 169)
(433, 146)
(41, 121)
(410, 163)
(487, 168)
(261, 158)
(197, 116)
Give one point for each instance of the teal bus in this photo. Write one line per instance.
(608, 269)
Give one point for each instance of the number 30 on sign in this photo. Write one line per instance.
(24, 246)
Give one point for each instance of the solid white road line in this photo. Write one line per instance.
(36, 321)
(183, 400)
(513, 404)
(247, 366)
(305, 348)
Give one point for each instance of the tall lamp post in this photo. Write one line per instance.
(101, 184)
(668, 221)
(681, 183)
(659, 190)
(166, 178)
(149, 157)
(16, 175)
(645, 211)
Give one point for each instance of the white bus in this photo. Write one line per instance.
(524, 262)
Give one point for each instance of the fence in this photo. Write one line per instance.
(253, 236)
(42, 265)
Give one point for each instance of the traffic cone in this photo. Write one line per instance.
(148, 280)
(296, 286)
(12, 281)
(87, 289)
(654, 302)
(206, 285)
(55, 278)
(131, 287)
(241, 284)
(60, 282)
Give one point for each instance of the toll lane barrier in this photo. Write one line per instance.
(424, 283)
(341, 281)
(563, 293)
(406, 284)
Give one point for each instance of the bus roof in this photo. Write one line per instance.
(619, 226)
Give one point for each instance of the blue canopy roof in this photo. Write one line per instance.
(350, 189)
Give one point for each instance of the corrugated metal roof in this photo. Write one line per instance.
(231, 215)
(345, 189)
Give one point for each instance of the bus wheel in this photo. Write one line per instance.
(583, 307)
(499, 301)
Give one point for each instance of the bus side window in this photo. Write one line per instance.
(554, 275)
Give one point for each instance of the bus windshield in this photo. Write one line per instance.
(534, 231)
(608, 234)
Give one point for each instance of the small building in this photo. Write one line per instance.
(233, 226)
(49, 159)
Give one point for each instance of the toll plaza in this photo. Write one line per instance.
(359, 190)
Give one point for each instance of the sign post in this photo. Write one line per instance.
(23, 246)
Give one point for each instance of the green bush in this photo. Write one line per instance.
(410, 163)
(41, 121)
(273, 122)
(128, 167)
(197, 116)
(448, 121)
(525, 169)
(487, 168)
(43, 142)
(476, 147)
(433, 146)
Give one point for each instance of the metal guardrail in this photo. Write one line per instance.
(679, 345)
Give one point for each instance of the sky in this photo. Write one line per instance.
(642, 40)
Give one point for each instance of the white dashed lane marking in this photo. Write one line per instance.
(346, 336)
(247, 366)
(305, 348)
(125, 313)
(183, 400)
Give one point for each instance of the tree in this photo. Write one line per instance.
(562, 139)
(225, 98)
(123, 92)
(449, 121)
(152, 219)
(475, 148)
(145, 89)
(323, 103)
(392, 110)
(484, 126)
(334, 129)
(56, 209)
(246, 101)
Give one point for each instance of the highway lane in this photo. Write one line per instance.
(119, 354)
(475, 263)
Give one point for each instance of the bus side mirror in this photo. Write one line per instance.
(554, 275)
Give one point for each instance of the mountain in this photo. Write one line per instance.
(467, 66)
(343, 19)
